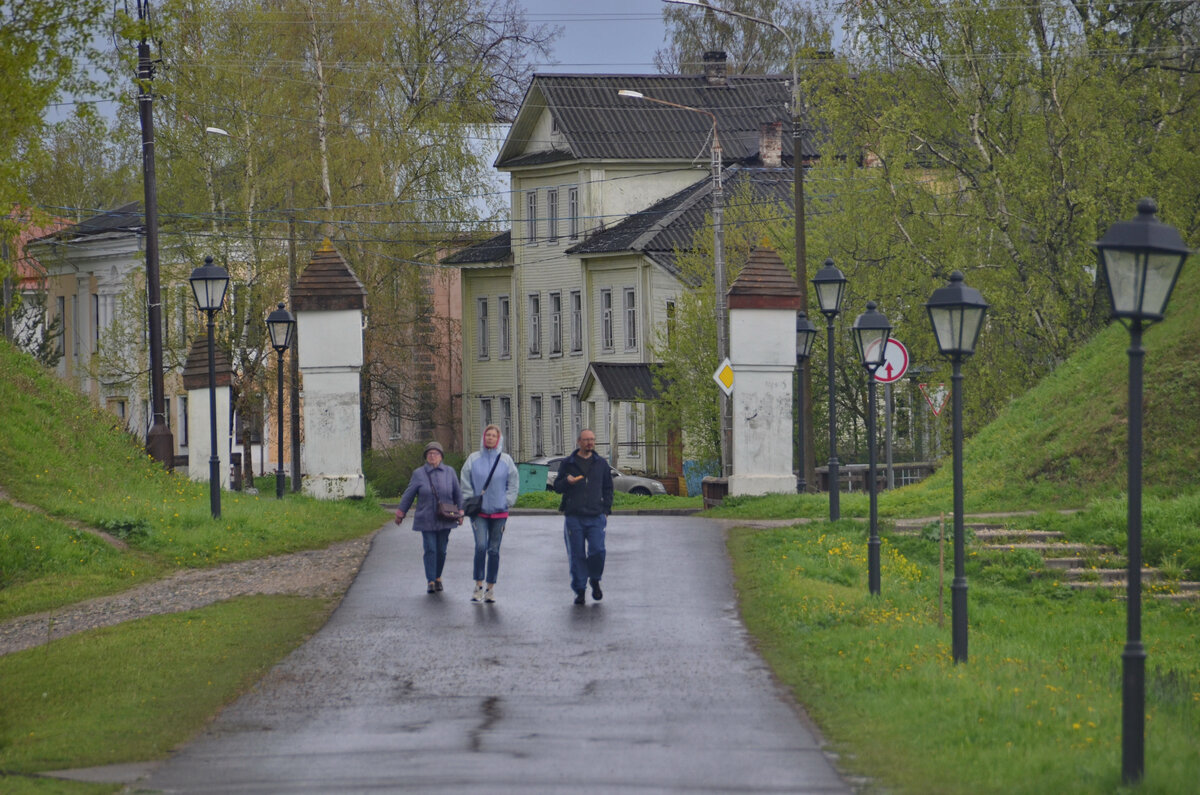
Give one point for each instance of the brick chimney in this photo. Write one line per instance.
(770, 144)
(715, 70)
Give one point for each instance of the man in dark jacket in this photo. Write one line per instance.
(585, 481)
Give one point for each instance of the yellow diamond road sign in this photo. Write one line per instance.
(724, 377)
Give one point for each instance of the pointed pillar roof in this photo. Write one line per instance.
(195, 371)
(328, 283)
(765, 283)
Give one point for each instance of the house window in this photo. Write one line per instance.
(395, 416)
(535, 325)
(531, 216)
(631, 429)
(552, 215)
(535, 420)
(506, 417)
(60, 309)
(555, 323)
(117, 406)
(481, 327)
(556, 423)
(573, 212)
(183, 420)
(670, 323)
(576, 321)
(630, 319)
(606, 320)
(576, 417)
(485, 414)
(505, 327)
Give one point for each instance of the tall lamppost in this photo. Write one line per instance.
(280, 325)
(718, 260)
(798, 132)
(209, 283)
(1140, 260)
(871, 332)
(956, 312)
(830, 284)
(806, 332)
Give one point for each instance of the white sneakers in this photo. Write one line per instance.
(477, 597)
(489, 595)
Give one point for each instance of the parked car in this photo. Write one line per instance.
(630, 484)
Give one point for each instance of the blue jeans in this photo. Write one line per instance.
(488, 533)
(585, 548)
(435, 542)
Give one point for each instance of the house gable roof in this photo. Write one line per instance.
(594, 123)
(126, 218)
(671, 224)
(493, 251)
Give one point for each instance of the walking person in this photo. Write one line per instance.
(585, 481)
(439, 509)
(489, 474)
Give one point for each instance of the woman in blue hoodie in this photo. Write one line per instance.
(499, 494)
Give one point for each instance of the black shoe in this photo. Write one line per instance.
(579, 597)
(430, 588)
(437, 584)
(597, 594)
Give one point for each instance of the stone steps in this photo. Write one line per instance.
(1079, 566)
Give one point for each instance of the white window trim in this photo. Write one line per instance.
(629, 314)
(531, 218)
(576, 322)
(556, 326)
(504, 305)
(573, 212)
(552, 215)
(535, 326)
(607, 342)
(482, 342)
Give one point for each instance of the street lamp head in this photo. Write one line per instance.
(1141, 260)
(806, 332)
(281, 325)
(871, 332)
(830, 284)
(625, 92)
(209, 283)
(956, 312)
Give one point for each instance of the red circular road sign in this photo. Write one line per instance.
(895, 363)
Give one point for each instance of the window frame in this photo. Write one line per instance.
(552, 215)
(505, 321)
(556, 335)
(535, 325)
(573, 212)
(483, 350)
(607, 343)
(576, 321)
(629, 314)
(531, 217)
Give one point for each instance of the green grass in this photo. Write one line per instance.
(133, 691)
(1037, 707)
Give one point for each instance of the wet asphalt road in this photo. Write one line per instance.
(654, 689)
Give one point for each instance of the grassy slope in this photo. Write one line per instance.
(1064, 442)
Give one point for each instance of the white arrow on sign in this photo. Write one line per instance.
(895, 361)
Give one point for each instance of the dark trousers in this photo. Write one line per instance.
(435, 542)
(584, 536)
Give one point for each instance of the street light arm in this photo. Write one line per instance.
(629, 93)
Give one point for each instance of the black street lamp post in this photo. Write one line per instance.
(956, 312)
(209, 283)
(830, 284)
(871, 332)
(1140, 260)
(806, 332)
(280, 325)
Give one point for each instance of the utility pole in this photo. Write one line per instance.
(294, 364)
(160, 444)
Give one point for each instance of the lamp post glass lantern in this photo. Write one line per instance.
(806, 332)
(1140, 262)
(280, 325)
(956, 313)
(830, 284)
(871, 333)
(209, 283)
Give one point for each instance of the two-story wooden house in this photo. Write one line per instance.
(558, 312)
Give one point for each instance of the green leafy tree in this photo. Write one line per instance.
(752, 47)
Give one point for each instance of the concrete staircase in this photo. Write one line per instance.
(1079, 566)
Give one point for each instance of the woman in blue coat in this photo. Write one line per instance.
(490, 472)
(430, 484)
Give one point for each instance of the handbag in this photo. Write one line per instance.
(474, 504)
(445, 510)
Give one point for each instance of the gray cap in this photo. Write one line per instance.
(433, 446)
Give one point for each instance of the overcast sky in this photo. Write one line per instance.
(601, 35)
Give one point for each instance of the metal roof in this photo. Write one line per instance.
(671, 224)
(624, 382)
(597, 124)
(493, 250)
(126, 218)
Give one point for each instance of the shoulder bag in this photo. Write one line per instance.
(474, 504)
(445, 510)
